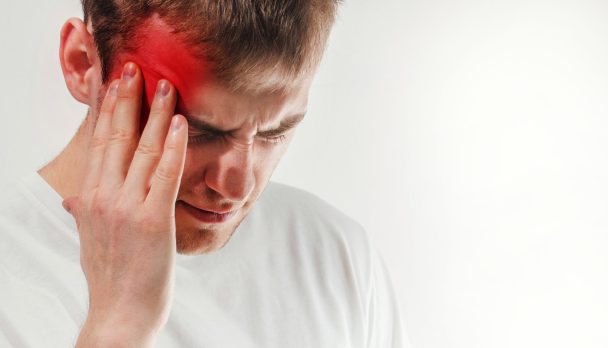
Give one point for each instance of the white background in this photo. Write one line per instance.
(468, 137)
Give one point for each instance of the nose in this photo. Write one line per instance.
(231, 175)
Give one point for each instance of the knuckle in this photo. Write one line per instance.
(122, 136)
(125, 94)
(156, 111)
(85, 200)
(97, 142)
(107, 106)
(170, 146)
(148, 150)
(123, 206)
(98, 203)
(98, 210)
(165, 174)
(154, 217)
(159, 111)
(121, 212)
(98, 207)
(148, 218)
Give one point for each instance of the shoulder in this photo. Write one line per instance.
(16, 211)
(315, 223)
(343, 249)
(300, 203)
(33, 225)
(19, 209)
(298, 206)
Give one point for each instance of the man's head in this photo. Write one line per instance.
(242, 70)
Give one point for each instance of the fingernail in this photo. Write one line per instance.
(128, 72)
(175, 124)
(162, 90)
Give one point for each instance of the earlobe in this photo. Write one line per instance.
(77, 55)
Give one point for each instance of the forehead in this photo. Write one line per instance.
(162, 54)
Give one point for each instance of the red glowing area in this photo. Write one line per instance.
(161, 54)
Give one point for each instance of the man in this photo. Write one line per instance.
(174, 238)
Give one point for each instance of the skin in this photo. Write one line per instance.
(129, 191)
(225, 173)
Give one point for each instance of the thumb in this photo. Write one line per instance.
(69, 204)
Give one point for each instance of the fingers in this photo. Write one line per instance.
(168, 174)
(100, 138)
(150, 148)
(151, 170)
(124, 130)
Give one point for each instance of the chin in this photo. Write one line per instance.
(193, 238)
(194, 241)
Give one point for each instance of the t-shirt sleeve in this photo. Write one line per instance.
(385, 326)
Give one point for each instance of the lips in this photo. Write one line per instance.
(208, 215)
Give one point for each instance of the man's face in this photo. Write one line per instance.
(235, 139)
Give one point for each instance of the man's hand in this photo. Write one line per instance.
(125, 214)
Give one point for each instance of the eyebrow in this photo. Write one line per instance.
(287, 124)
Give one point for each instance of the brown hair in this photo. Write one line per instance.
(248, 43)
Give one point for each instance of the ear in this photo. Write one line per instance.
(79, 61)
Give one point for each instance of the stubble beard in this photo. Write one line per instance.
(196, 240)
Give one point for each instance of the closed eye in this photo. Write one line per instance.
(275, 139)
(209, 137)
(203, 137)
(203, 132)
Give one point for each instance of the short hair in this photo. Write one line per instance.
(248, 44)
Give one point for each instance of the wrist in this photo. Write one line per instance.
(115, 333)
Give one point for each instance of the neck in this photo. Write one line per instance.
(66, 172)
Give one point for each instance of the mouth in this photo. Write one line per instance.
(208, 216)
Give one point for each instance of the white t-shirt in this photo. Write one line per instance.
(296, 273)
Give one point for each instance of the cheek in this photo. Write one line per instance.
(266, 159)
(194, 164)
(198, 159)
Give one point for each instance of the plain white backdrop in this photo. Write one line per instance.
(468, 137)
